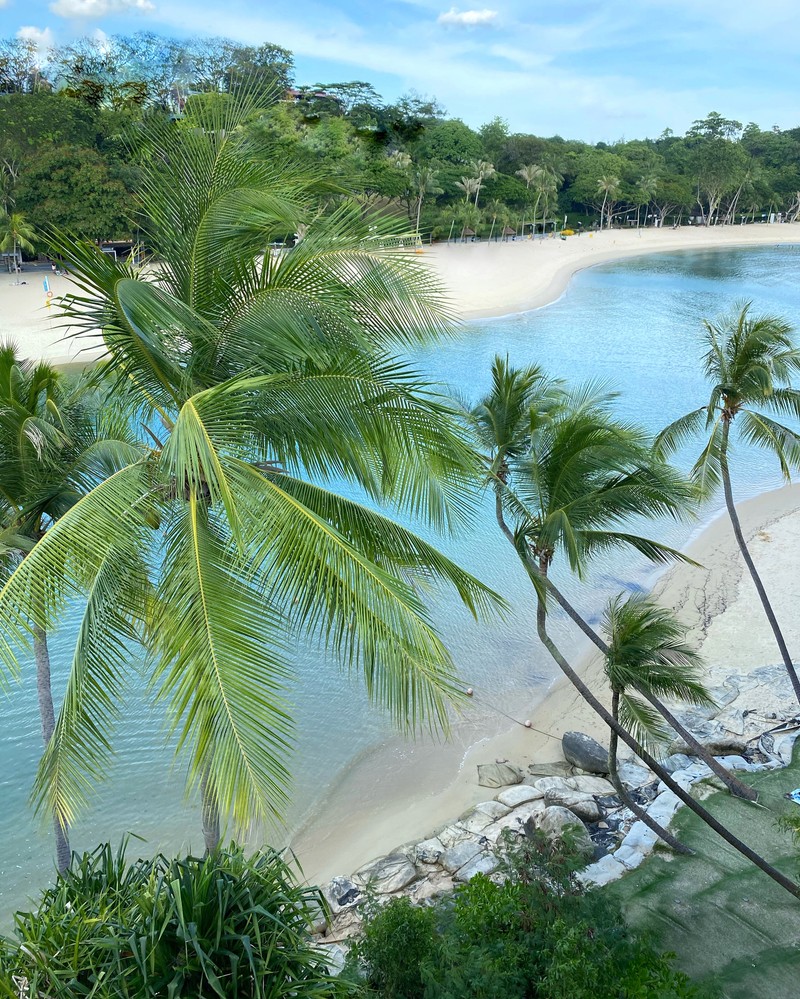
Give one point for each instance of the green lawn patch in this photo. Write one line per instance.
(723, 918)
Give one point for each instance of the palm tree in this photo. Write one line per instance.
(483, 171)
(568, 489)
(609, 187)
(16, 233)
(470, 186)
(519, 399)
(646, 652)
(259, 379)
(53, 449)
(645, 192)
(749, 361)
(425, 182)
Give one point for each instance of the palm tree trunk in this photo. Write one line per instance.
(653, 764)
(210, 809)
(740, 540)
(622, 792)
(48, 718)
(734, 785)
(419, 212)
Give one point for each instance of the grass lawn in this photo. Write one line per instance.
(725, 920)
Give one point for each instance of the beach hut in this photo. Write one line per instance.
(509, 233)
(467, 233)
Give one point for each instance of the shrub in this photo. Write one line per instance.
(224, 925)
(538, 934)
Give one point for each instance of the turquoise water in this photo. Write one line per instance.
(633, 324)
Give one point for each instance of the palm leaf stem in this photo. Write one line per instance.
(44, 693)
(702, 813)
(742, 543)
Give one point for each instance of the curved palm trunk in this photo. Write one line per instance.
(653, 764)
(47, 714)
(622, 792)
(734, 785)
(210, 809)
(740, 540)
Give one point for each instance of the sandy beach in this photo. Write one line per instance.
(402, 791)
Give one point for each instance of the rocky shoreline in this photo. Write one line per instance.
(570, 792)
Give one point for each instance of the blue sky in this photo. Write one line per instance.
(591, 70)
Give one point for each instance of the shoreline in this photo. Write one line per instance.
(530, 274)
(400, 791)
(377, 806)
(523, 276)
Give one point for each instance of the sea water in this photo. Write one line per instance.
(634, 325)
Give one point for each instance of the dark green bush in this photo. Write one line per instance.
(538, 935)
(226, 925)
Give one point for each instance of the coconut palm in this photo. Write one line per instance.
(609, 187)
(53, 449)
(749, 361)
(569, 490)
(16, 233)
(425, 182)
(518, 398)
(260, 379)
(470, 186)
(646, 652)
(483, 171)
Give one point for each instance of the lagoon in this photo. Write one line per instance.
(635, 326)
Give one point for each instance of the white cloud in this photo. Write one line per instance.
(467, 18)
(42, 38)
(99, 8)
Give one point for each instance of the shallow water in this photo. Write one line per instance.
(633, 324)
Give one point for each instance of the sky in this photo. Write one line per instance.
(586, 69)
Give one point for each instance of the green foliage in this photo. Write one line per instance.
(536, 935)
(224, 925)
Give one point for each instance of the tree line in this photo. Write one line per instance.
(64, 160)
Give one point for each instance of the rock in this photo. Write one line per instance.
(345, 926)
(498, 774)
(557, 818)
(633, 775)
(387, 875)
(738, 763)
(317, 917)
(434, 885)
(515, 820)
(558, 769)
(546, 784)
(589, 784)
(483, 864)
(341, 894)
(333, 955)
(603, 872)
(462, 853)
(582, 805)
(678, 761)
(495, 809)
(518, 795)
(429, 851)
(475, 821)
(452, 834)
(664, 807)
(584, 752)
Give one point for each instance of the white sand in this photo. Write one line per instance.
(494, 279)
(401, 792)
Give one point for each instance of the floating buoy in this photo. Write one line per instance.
(470, 691)
(527, 723)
